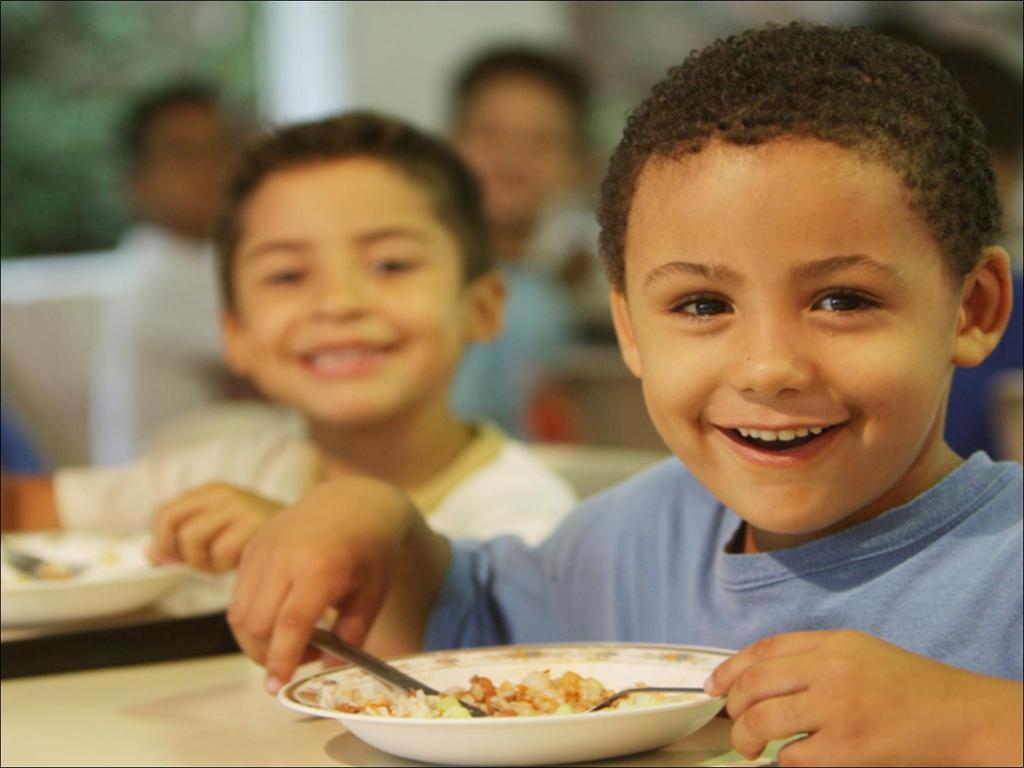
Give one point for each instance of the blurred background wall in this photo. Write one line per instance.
(68, 69)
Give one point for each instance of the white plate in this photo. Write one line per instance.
(118, 578)
(542, 739)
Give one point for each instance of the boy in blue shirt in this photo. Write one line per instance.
(798, 227)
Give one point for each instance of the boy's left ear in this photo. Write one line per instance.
(984, 308)
(485, 307)
(623, 323)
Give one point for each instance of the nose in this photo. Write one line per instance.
(773, 361)
(342, 294)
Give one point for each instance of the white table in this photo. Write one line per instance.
(213, 711)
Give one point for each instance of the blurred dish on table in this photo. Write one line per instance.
(114, 577)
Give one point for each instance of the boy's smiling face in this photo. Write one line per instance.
(350, 301)
(795, 328)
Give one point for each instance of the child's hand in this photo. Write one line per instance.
(863, 701)
(209, 527)
(339, 547)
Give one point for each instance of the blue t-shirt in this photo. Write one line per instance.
(18, 452)
(647, 561)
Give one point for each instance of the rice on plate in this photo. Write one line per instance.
(539, 693)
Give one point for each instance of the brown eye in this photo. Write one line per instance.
(702, 306)
(395, 265)
(284, 277)
(845, 301)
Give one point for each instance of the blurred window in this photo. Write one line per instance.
(68, 71)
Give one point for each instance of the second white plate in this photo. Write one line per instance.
(118, 578)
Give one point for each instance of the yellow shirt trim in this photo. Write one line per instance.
(481, 451)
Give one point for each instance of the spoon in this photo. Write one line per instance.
(643, 689)
(379, 668)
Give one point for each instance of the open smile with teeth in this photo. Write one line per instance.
(341, 355)
(353, 359)
(779, 440)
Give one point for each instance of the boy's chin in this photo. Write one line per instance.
(793, 527)
(782, 518)
(347, 418)
(353, 415)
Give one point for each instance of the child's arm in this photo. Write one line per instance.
(865, 702)
(208, 527)
(348, 545)
(27, 503)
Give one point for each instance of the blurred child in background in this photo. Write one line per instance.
(159, 353)
(356, 265)
(519, 119)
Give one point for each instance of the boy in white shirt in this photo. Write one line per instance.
(356, 266)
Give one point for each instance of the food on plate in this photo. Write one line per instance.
(536, 694)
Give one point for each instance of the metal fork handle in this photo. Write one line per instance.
(644, 689)
(380, 669)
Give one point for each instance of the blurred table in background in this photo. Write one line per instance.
(605, 401)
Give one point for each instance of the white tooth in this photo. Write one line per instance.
(816, 430)
(786, 435)
(768, 434)
(802, 432)
(337, 356)
(744, 432)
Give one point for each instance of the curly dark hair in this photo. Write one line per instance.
(883, 98)
(425, 160)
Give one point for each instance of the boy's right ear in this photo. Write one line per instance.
(624, 331)
(236, 343)
(485, 307)
(985, 306)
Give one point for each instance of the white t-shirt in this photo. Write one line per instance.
(512, 493)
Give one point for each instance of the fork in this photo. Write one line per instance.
(37, 568)
(643, 689)
(378, 668)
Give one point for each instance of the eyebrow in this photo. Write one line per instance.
(813, 270)
(718, 272)
(363, 239)
(802, 272)
(267, 247)
(386, 233)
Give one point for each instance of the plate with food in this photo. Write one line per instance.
(65, 576)
(536, 697)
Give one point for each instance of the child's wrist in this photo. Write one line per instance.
(988, 727)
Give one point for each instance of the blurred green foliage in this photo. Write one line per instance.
(68, 72)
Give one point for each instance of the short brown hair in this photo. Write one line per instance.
(861, 90)
(144, 113)
(554, 70)
(425, 160)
